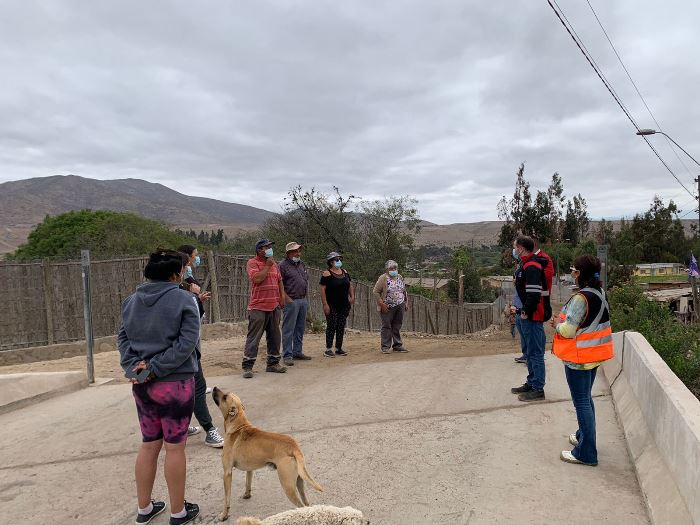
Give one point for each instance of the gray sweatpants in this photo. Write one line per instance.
(391, 327)
(259, 322)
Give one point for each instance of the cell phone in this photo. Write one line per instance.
(140, 377)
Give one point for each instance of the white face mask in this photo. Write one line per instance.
(296, 259)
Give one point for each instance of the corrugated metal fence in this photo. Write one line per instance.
(43, 301)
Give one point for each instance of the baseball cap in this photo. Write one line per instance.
(263, 242)
(292, 246)
(333, 255)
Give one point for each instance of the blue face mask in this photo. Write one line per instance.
(338, 264)
(188, 272)
(269, 252)
(393, 273)
(515, 255)
(197, 261)
(296, 259)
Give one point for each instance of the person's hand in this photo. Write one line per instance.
(288, 300)
(204, 296)
(553, 322)
(406, 306)
(141, 365)
(523, 315)
(513, 309)
(326, 309)
(351, 300)
(195, 289)
(269, 262)
(383, 307)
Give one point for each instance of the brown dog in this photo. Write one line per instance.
(248, 448)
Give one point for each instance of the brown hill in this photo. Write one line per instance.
(25, 203)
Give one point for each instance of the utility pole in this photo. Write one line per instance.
(460, 301)
(693, 279)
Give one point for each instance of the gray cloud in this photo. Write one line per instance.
(441, 100)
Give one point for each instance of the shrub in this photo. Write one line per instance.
(678, 344)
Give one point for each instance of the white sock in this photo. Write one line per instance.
(180, 514)
(146, 510)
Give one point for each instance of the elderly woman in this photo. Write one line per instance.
(392, 302)
(583, 340)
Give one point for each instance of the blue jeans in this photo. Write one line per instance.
(580, 385)
(520, 334)
(293, 325)
(532, 333)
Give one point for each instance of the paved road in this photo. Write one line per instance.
(437, 441)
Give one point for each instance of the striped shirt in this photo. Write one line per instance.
(264, 296)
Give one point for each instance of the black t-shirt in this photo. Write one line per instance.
(337, 289)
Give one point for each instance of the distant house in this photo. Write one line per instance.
(658, 269)
(426, 282)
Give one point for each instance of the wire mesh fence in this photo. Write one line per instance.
(43, 300)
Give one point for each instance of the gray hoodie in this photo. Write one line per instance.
(160, 325)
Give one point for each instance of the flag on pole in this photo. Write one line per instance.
(693, 270)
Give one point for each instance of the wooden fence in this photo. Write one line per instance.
(43, 301)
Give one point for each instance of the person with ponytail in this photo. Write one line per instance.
(583, 341)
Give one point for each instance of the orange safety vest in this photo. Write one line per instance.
(593, 343)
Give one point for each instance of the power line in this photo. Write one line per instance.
(619, 58)
(602, 78)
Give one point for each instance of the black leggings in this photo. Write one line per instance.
(201, 410)
(335, 326)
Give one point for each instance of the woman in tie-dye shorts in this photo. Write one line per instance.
(164, 409)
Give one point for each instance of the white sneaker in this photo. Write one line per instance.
(192, 430)
(569, 458)
(214, 439)
(209, 390)
(573, 440)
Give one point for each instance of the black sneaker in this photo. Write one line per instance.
(340, 351)
(247, 373)
(288, 361)
(521, 389)
(192, 512)
(400, 350)
(302, 357)
(520, 359)
(158, 507)
(532, 395)
(328, 353)
(276, 368)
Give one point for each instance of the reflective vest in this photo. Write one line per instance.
(593, 341)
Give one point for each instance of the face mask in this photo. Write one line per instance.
(296, 259)
(393, 273)
(338, 264)
(197, 261)
(188, 273)
(269, 252)
(515, 255)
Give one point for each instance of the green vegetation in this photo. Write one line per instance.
(104, 233)
(661, 279)
(678, 344)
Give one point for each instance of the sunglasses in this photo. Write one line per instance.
(337, 259)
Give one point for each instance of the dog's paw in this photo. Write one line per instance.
(223, 516)
(246, 495)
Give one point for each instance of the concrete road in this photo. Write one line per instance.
(437, 441)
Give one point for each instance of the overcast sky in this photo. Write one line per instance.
(441, 100)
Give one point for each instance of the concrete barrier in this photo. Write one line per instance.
(661, 421)
(18, 390)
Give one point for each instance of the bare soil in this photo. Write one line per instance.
(222, 353)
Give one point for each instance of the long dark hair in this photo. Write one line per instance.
(163, 264)
(588, 268)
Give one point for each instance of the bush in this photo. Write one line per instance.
(104, 233)
(678, 344)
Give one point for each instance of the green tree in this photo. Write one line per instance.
(104, 233)
(474, 292)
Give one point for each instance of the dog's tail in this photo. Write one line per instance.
(303, 473)
(248, 521)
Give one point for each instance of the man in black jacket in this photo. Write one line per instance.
(531, 287)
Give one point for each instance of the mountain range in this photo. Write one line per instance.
(24, 203)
